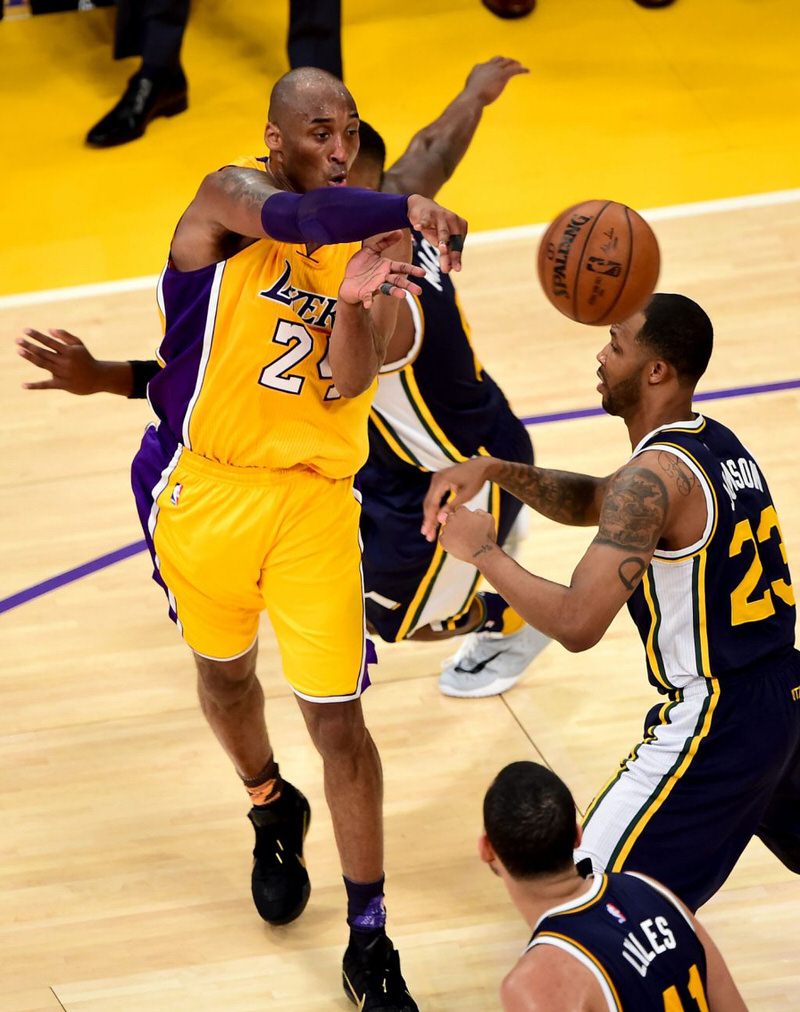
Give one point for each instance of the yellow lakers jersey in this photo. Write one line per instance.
(246, 379)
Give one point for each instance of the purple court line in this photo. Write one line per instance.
(55, 582)
(71, 575)
(709, 395)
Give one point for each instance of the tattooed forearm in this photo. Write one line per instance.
(634, 510)
(678, 471)
(630, 571)
(560, 495)
(487, 546)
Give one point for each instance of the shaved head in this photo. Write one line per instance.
(312, 132)
(307, 92)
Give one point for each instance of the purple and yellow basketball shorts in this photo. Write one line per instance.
(229, 542)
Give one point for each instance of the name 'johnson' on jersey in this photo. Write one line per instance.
(725, 603)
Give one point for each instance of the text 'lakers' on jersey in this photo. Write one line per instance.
(725, 603)
(246, 380)
(639, 944)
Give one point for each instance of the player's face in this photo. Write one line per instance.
(622, 365)
(366, 173)
(316, 143)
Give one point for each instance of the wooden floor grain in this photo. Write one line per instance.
(125, 859)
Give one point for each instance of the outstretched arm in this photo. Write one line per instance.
(73, 368)
(435, 151)
(238, 202)
(632, 519)
(568, 498)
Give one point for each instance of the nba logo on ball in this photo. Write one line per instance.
(599, 262)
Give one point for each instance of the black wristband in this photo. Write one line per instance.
(142, 372)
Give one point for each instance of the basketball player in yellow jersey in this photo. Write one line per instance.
(273, 339)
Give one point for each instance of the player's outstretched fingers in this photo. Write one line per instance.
(399, 267)
(378, 243)
(44, 344)
(34, 354)
(451, 233)
(397, 285)
(64, 336)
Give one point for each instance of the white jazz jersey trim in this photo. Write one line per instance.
(677, 612)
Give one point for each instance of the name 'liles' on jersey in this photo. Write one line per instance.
(638, 943)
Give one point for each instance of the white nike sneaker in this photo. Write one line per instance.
(487, 664)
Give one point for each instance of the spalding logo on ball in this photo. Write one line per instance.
(599, 262)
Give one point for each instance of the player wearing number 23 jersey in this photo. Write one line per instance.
(720, 760)
(688, 537)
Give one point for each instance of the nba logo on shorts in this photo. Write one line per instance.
(616, 913)
(176, 494)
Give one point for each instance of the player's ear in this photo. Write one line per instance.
(578, 835)
(272, 136)
(485, 849)
(659, 371)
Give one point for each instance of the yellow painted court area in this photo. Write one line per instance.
(650, 107)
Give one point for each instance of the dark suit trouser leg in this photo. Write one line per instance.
(315, 34)
(152, 29)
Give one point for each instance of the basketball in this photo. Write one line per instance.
(510, 8)
(599, 262)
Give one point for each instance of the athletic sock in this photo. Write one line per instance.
(265, 787)
(499, 616)
(366, 913)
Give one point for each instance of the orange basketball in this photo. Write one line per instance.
(599, 262)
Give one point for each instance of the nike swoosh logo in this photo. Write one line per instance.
(480, 665)
(359, 1002)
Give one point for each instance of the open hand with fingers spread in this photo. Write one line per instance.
(369, 274)
(443, 229)
(71, 365)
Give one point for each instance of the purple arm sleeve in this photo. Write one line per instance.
(333, 214)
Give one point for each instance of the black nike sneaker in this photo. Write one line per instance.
(372, 979)
(279, 880)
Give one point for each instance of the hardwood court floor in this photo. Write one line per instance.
(125, 859)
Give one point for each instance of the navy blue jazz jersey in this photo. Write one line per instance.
(433, 408)
(638, 943)
(438, 405)
(726, 602)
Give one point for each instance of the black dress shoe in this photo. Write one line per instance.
(143, 100)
